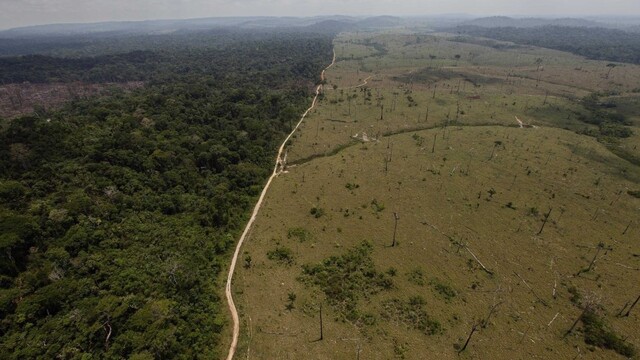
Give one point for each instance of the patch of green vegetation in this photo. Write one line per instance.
(377, 206)
(412, 314)
(416, 276)
(446, 291)
(346, 279)
(299, 233)
(418, 139)
(352, 186)
(282, 255)
(290, 303)
(392, 271)
(612, 125)
(634, 193)
(576, 297)
(596, 333)
(247, 261)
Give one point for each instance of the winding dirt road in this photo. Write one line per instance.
(276, 171)
(366, 81)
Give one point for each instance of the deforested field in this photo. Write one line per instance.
(452, 197)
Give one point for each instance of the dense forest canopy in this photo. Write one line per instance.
(593, 43)
(115, 211)
(158, 58)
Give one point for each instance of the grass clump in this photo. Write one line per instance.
(352, 186)
(634, 193)
(347, 278)
(444, 290)
(412, 314)
(377, 206)
(299, 233)
(416, 277)
(597, 334)
(576, 297)
(282, 255)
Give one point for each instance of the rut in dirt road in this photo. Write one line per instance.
(276, 171)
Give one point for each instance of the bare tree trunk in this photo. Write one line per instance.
(395, 228)
(473, 329)
(321, 332)
(595, 257)
(546, 217)
(107, 328)
(485, 322)
(575, 323)
(632, 306)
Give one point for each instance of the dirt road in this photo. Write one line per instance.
(276, 171)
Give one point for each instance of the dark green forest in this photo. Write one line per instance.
(117, 213)
(593, 43)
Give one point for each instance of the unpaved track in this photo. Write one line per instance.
(276, 171)
(361, 85)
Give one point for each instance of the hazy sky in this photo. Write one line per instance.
(29, 12)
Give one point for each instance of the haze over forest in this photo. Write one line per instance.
(16, 13)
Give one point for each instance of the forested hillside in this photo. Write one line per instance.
(116, 212)
(593, 43)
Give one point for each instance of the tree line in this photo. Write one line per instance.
(593, 43)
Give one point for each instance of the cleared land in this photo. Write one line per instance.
(24, 99)
(445, 157)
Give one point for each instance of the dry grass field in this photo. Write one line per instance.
(448, 218)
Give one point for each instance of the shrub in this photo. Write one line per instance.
(352, 186)
(347, 278)
(416, 277)
(446, 291)
(282, 255)
(299, 233)
(317, 212)
(597, 334)
(376, 206)
(412, 314)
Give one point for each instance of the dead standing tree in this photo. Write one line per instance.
(599, 248)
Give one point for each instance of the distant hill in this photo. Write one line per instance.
(157, 26)
(505, 21)
(321, 23)
(380, 22)
(330, 26)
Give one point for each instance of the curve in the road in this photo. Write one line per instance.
(276, 171)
